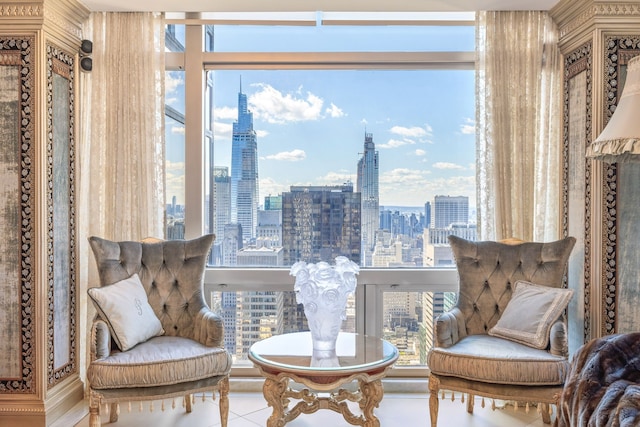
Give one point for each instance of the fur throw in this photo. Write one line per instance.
(603, 386)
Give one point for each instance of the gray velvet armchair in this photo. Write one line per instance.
(169, 345)
(506, 338)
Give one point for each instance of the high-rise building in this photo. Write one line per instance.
(244, 170)
(258, 313)
(320, 223)
(437, 251)
(231, 244)
(367, 186)
(449, 210)
(427, 215)
(221, 200)
(269, 231)
(272, 203)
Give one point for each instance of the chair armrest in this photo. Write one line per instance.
(100, 339)
(450, 328)
(208, 328)
(558, 342)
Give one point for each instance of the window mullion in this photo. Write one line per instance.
(194, 132)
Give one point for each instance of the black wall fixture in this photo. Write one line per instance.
(86, 47)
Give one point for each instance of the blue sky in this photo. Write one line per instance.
(311, 125)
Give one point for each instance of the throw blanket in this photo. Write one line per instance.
(603, 386)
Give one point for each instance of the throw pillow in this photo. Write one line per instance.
(125, 308)
(530, 313)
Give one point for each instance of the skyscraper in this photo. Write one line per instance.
(221, 200)
(244, 170)
(449, 210)
(367, 186)
(320, 223)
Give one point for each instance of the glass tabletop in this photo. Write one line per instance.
(354, 353)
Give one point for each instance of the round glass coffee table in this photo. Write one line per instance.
(359, 359)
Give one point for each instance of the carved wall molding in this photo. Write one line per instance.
(570, 25)
(22, 50)
(13, 10)
(616, 9)
(60, 20)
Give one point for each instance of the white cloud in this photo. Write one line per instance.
(413, 187)
(174, 178)
(334, 111)
(261, 133)
(395, 143)
(412, 132)
(335, 178)
(172, 80)
(225, 113)
(222, 130)
(446, 165)
(273, 106)
(178, 130)
(288, 156)
(270, 186)
(420, 152)
(469, 127)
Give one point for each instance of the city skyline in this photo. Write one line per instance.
(310, 126)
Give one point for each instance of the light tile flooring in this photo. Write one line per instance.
(250, 410)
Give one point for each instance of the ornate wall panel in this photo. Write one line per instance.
(620, 206)
(61, 249)
(576, 192)
(17, 210)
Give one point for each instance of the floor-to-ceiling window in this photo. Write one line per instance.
(321, 138)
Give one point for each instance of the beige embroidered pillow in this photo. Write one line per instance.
(125, 308)
(530, 313)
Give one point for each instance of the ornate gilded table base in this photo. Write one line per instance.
(278, 395)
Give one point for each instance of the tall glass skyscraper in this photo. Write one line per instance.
(244, 171)
(367, 186)
(320, 223)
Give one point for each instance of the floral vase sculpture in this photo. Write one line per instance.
(323, 290)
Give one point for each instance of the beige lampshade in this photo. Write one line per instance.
(620, 139)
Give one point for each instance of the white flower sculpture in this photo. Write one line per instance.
(324, 284)
(323, 290)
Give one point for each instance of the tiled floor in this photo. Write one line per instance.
(250, 410)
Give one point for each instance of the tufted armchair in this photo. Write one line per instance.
(185, 353)
(485, 345)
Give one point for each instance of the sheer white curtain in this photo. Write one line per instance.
(518, 92)
(121, 143)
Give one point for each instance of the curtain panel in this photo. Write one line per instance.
(518, 96)
(121, 144)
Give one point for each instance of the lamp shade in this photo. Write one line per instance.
(620, 139)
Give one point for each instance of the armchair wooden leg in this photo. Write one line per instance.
(187, 403)
(546, 417)
(114, 412)
(470, 402)
(224, 401)
(434, 386)
(94, 411)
